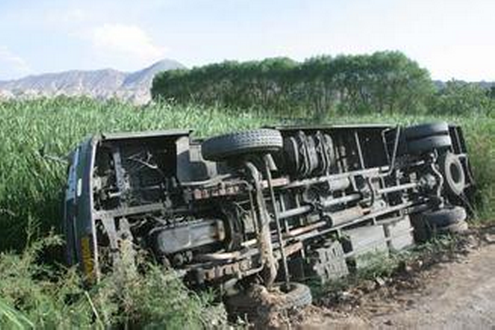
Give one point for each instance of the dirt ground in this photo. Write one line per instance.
(457, 292)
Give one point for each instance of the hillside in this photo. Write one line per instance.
(100, 84)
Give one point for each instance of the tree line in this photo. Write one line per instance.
(382, 82)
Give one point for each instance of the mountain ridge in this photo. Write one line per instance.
(101, 83)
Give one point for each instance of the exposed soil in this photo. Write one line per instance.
(451, 290)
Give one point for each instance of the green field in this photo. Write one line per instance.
(34, 133)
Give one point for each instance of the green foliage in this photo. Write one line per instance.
(13, 317)
(34, 295)
(461, 98)
(383, 82)
(481, 146)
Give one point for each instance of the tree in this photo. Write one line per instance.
(381, 82)
(460, 98)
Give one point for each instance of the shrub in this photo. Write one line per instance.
(34, 295)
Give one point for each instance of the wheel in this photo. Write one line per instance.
(453, 173)
(446, 220)
(425, 130)
(253, 305)
(222, 147)
(445, 217)
(298, 296)
(455, 228)
(422, 232)
(428, 144)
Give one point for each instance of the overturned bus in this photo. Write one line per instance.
(272, 206)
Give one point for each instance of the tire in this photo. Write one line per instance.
(426, 130)
(299, 296)
(242, 304)
(428, 144)
(453, 173)
(422, 232)
(222, 147)
(445, 217)
(455, 228)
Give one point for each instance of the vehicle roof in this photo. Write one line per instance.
(352, 126)
(145, 134)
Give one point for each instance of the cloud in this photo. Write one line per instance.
(126, 40)
(17, 63)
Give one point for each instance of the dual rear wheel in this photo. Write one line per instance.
(259, 302)
(425, 138)
(447, 220)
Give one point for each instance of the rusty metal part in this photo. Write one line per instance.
(296, 212)
(394, 152)
(371, 172)
(238, 269)
(216, 191)
(268, 169)
(309, 154)
(341, 200)
(401, 187)
(264, 236)
(188, 236)
(243, 267)
(338, 218)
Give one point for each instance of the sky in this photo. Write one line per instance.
(451, 38)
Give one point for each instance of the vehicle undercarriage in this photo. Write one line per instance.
(269, 206)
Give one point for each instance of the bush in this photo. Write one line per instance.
(382, 82)
(33, 295)
(461, 98)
